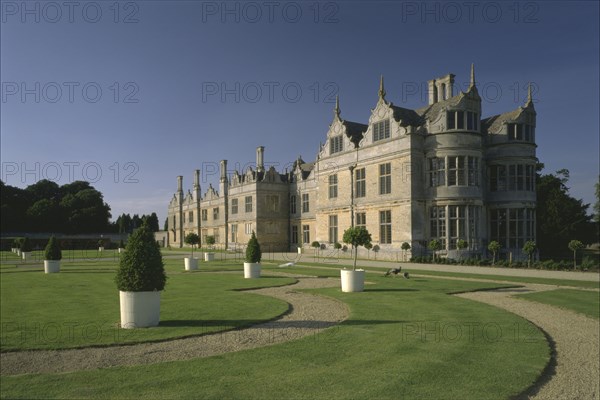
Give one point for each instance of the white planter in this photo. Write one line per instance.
(353, 281)
(209, 256)
(120, 250)
(251, 270)
(101, 248)
(190, 263)
(26, 255)
(299, 250)
(139, 309)
(19, 252)
(51, 266)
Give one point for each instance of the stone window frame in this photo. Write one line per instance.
(385, 178)
(333, 186)
(294, 234)
(361, 219)
(333, 228)
(305, 203)
(360, 182)
(305, 233)
(336, 144)
(248, 204)
(385, 226)
(381, 130)
(234, 206)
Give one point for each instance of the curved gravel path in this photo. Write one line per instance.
(573, 372)
(309, 314)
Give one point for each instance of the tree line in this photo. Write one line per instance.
(72, 208)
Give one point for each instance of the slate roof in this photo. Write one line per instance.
(354, 131)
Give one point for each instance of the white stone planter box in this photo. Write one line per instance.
(100, 248)
(300, 251)
(190, 263)
(251, 270)
(51, 266)
(139, 309)
(353, 281)
(209, 256)
(26, 255)
(18, 252)
(120, 250)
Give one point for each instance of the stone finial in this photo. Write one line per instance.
(381, 88)
(529, 95)
(336, 110)
(472, 84)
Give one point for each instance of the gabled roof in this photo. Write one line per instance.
(406, 116)
(355, 131)
(494, 123)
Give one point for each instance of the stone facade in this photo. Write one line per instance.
(438, 172)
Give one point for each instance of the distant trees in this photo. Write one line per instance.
(125, 223)
(46, 207)
(560, 217)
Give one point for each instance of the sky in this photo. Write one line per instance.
(130, 94)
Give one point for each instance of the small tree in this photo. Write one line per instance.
(434, 245)
(461, 245)
(337, 246)
(141, 269)
(368, 246)
(357, 236)
(575, 245)
(405, 247)
(192, 239)
(25, 245)
(316, 245)
(100, 243)
(210, 241)
(376, 249)
(253, 253)
(121, 244)
(494, 247)
(529, 248)
(52, 251)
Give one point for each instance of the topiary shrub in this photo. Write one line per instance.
(357, 236)
(53, 251)
(192, 239)
(253, 253)
(25, 245)
(337, 246)
(141, 268)
(210, 241)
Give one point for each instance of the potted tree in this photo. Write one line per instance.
(435, 246)
(253, 256)
(494, 247)
(121, 246)
(52, 256)
(354, 280)
(191, 263)
(317, 246)
(529, 248)
(575, 245)
(210, 241)
(18, 241)
(25, 249)
(405, 247)
(376, 249)
(140, 279)
(100, 245)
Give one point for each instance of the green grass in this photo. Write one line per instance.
(80, 306)
(583, 302)
(404, 339)
(517, 279)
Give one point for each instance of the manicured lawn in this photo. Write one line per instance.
(405, 339)
(338, 264)
(583, 302)
(80, 306)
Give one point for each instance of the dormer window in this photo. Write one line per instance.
(460, 119)
(521, 132)
(381, 130)
(336, 144)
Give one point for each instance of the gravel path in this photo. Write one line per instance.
(309, 315)
(573, 372)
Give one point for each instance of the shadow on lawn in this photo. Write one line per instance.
(392, 290)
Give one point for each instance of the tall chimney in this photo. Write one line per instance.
(180, 183)
(433, 92)
(196, 179)
(260, 159)
(223, 170)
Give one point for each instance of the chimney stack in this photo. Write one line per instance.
(196, 179)
(260, 158)
(180, 183)
(223, 170)
(441, 89)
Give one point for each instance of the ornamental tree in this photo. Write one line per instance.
(434, 245)
(357, 236)
(52, 251)
(494, 247)
(192, 239)
(253, 253)
(529, 248)
(575, 245)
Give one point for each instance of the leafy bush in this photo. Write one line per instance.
(210, 240)
(52, 251)
(253, 253)
(141, 268)
(337, 246)
(316, 245)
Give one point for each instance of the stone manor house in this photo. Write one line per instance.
(438, 172)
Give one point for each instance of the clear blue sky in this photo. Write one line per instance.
(156, 89)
